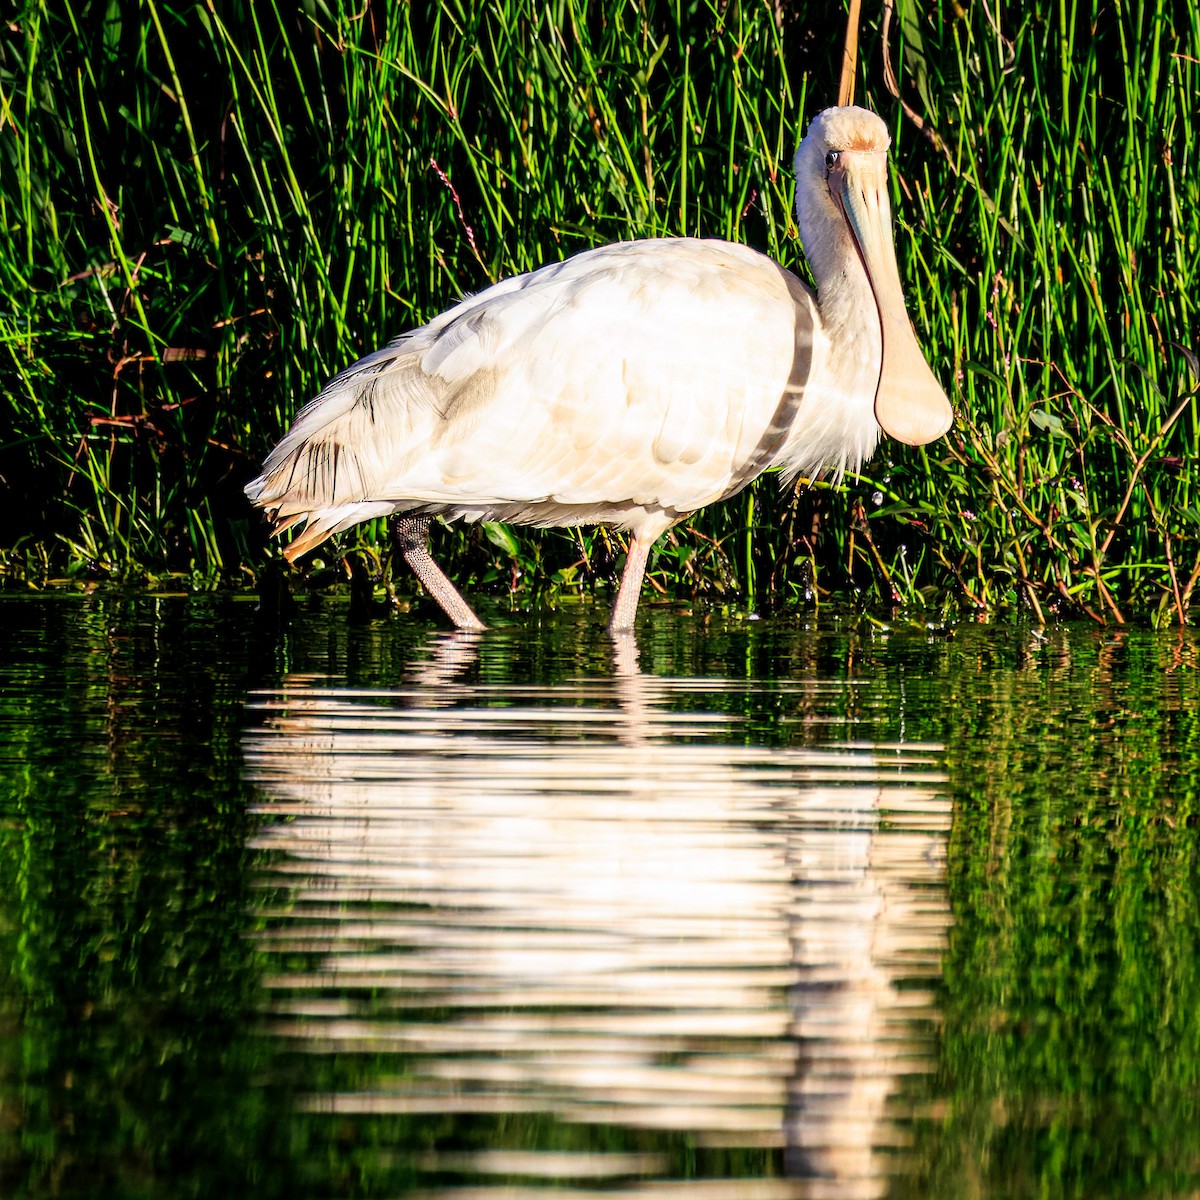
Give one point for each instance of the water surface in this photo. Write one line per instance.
(795, 908)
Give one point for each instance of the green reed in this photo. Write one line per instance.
(212, 208)
(1061, 267)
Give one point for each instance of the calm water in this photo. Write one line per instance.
(802, 908)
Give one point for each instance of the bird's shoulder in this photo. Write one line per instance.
(640, 274)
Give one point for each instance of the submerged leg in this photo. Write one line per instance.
(411, 534)
(625, 609)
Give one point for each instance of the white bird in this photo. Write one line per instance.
(628, 386)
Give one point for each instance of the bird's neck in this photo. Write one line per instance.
(844, 296)
(847, 306)
(847, 303)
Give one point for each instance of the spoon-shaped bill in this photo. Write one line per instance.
(910, 404)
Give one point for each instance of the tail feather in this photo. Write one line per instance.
(323, 525)
(329, 468)
(309, 539)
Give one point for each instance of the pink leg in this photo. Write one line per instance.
(410, 534)
(625, 609)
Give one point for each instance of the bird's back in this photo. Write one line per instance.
(652, 375)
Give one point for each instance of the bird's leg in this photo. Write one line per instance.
(411, 534)
(625, 609)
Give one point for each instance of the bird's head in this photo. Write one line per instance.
(844, 216)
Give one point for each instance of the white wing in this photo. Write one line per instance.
(656, 375)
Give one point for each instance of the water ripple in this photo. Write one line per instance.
(598, 903)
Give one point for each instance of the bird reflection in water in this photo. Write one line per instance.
(622, 913)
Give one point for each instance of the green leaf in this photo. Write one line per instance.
(501, 535)
(1048, 421)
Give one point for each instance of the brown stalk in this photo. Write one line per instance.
(1180, 408)
(1026, 582)
(935, 139)
(893, 85)
(849, 55)
(1182, 598)
(1013, 488)
(1180, 608)
(1193, 579)
(859, 516)
(1064, 592)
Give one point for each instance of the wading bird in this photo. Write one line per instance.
(627, 386)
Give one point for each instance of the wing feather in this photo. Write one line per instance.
(644, 373)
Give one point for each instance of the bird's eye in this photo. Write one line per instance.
(833, 158)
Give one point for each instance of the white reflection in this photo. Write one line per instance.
(618, 912)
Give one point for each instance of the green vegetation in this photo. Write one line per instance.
(209, 209)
